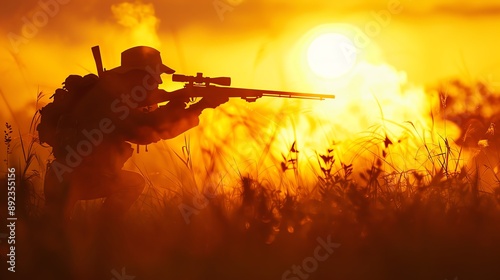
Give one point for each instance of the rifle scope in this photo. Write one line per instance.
(199, 79)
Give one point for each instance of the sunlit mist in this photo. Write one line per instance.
(140, 20)
(396, 177)
(331, 55)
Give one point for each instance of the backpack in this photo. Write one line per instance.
(54, 127)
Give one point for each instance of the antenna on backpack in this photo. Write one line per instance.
(98, 60)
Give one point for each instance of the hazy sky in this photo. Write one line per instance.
(260, 44)
(428, 40)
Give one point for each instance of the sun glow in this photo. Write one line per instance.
(331, 55)
(325, 58)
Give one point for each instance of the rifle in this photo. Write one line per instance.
(96, 52)
(199, 86)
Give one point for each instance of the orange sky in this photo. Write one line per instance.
(257, 42)
(428, 40)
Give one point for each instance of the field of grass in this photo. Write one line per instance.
(437, 219)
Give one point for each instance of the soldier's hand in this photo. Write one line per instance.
(212, 101)
(179, 102)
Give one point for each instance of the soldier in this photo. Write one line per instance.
(108, 115)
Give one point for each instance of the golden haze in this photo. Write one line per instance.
(261, 44)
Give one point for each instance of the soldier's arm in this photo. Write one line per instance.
(166, 122)
(163, 123)
(159, 96)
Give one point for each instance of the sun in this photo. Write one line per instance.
(331, 55)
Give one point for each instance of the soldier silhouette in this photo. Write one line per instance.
(107, 115)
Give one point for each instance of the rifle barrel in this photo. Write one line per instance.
(253, 93)
(244, 93)
(298, 95)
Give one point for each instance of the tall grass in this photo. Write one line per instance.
(416, 211)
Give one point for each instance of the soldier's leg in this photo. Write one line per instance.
(59, 200)
(128, 188)
(121, 189)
